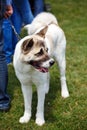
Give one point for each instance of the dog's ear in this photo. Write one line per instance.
(43, 32)
(27, 45)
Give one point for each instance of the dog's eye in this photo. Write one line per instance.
(46, 49)
(40, 52)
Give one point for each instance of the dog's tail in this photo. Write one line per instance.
(52, 23)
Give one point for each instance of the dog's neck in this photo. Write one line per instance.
(48, 43)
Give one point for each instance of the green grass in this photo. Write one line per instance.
(60, 114)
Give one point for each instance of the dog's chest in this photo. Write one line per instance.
(28, 73)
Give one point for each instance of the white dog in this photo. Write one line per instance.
(32, 60)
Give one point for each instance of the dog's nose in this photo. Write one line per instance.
(52, 62)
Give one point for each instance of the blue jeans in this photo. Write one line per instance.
(38, 6)
(4, 97)
(7, 33)
(22, 14)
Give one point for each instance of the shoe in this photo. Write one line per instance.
(47, 7)
(4, 108)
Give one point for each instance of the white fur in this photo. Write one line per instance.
(56, 42)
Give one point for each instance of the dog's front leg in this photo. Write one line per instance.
(40, 107)
(27, 94)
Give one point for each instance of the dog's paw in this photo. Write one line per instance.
(40, 121)
(25, 118)
(65, 94)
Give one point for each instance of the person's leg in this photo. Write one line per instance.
(25, 11)
(4, 97)
(7, 33)
(17, 23)
(38, 6)
(22, 14)
(32, 5)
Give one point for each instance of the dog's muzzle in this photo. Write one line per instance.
(40, 68)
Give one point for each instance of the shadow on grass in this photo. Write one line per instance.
(52, 95)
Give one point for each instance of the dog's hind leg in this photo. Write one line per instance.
(64, 89)
(60, 57)
(27, 93)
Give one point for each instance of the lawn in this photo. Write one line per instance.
(60, 114)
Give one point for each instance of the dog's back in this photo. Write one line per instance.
(43, 19)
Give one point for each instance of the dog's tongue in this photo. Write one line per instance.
(43, 70)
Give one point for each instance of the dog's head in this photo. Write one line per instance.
(35, 52)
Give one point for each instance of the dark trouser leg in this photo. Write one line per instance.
(4, 97)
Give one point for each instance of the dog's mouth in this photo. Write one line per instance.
(42, 69)
(36, 65)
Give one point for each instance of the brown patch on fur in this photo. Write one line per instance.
(40, 43)
(43, 32)
(44, 58)
(27, 45)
